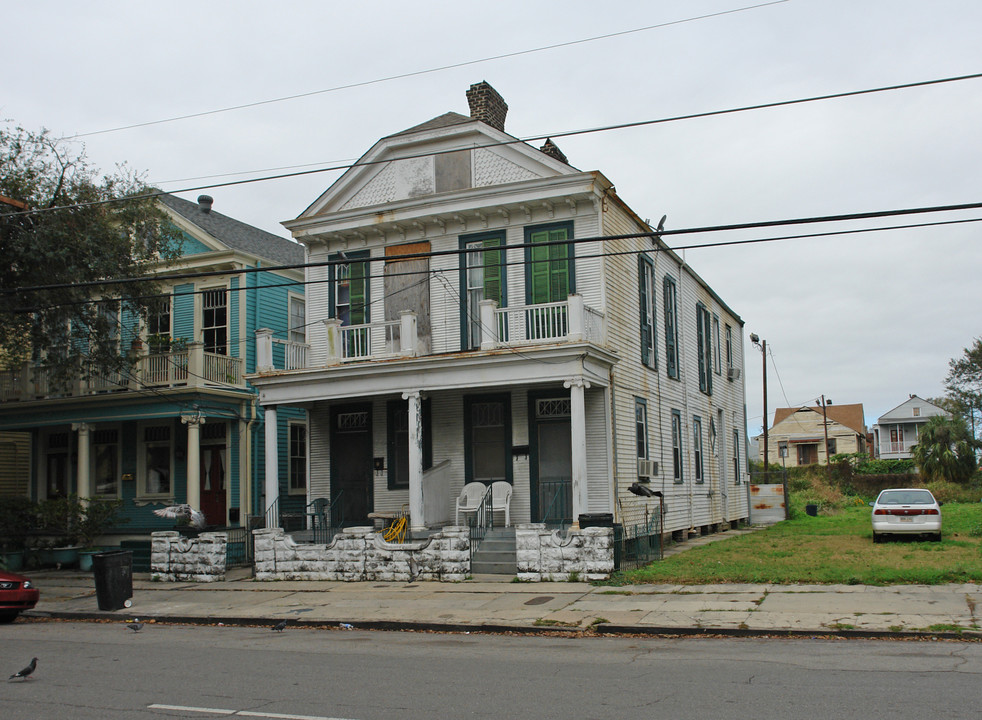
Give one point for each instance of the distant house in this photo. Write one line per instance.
(797, 437)
(182, 424)
(897, 431)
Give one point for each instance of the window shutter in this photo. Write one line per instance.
(359, 296)
(643, 291)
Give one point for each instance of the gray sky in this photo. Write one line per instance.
(865, 318)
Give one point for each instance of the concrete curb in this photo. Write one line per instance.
(598, 630)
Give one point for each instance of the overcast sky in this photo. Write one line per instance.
(863, 318)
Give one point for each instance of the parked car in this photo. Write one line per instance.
(906, 511)
(16, 593)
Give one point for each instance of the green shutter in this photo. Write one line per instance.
(643, 291)
(359, 296)
(492, 271)
(540, 269)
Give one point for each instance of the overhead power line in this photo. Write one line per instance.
(521, 246)
(516, 141)
(416, 73)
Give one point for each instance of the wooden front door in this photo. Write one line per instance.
(213, 484)
(552, 459)
(351, 463)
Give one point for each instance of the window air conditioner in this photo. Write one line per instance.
(733, 374)
(647, 468)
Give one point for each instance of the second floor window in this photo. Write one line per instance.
(671, 328)
(482, 276)
(298, 320)
(349, 291)
(729, 352)
(717, 364)
(214, 321)
(158, 326)
(704, 347)
(646, 283)
(549, 264)
(641, 428)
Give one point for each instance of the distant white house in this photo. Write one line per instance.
(897, 431)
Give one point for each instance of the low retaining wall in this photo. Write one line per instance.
(360, 553)
(546, 555)
(174, 558)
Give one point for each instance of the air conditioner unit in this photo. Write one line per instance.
(733, 374)
(647, 468)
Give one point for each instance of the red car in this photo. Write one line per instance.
(16, 593)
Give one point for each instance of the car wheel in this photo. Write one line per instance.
(937, 537)
(877, 538)
(8, 617)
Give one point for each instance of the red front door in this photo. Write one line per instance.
(213, 483)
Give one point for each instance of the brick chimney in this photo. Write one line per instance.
(487, 105)
(552, 150)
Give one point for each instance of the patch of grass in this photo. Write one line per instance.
(834, 548)
(841, 626)
(542, 622)
(945, 627)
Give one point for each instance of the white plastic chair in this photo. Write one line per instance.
(501, 499)
(469, 500)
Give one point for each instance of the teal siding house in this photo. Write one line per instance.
(183, 424)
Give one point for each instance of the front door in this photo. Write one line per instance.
(351, 463)
(552, 463)
(213, 484)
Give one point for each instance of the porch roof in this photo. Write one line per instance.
(496, 368)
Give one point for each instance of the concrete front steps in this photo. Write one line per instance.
(495, 554)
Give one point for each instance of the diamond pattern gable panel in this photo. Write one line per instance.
(493, 169)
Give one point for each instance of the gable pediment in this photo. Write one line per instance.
(426, 161)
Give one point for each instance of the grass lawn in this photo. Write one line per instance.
(829, 549)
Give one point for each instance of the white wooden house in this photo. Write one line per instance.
(480, 310)
(897, 431)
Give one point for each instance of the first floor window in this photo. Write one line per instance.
(736, 456)
(641, 427)
(697, 447)
(157, 460)
(677, 446)
(830, 449)
(398, 441)
(298, 459)
(488, 428)
(782, 449)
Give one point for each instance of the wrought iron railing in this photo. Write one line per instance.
(239, 546)
(326, 523)
(483, 520)
(556, 501)
(638, 545)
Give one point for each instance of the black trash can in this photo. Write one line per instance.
(811, 510)
(113, 578)
(618, 544)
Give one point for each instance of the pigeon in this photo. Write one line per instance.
(280, 626)
(195, 517)
(26, 672)
(135, 626)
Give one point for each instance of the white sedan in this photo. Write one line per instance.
(906, 511)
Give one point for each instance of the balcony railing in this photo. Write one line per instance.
(515, 325)
(192, 367)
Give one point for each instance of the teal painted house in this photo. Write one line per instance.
(183, 424)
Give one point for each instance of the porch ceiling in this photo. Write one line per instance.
(496, 368)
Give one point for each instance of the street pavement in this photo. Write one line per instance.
(494, 604)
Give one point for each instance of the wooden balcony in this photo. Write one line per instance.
(192, 368)
(568, 321)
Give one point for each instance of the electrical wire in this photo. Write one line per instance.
(417, 73)
(516, 141)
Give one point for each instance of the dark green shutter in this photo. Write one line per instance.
(643, 291)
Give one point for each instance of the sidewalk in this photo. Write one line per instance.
(488, 604)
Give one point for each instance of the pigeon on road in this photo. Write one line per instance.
(280, 626)
(135, 626)
(26, 672)
(195, 517)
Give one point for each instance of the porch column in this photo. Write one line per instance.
(332, 326)
(194, 422)
(577, 427)
(272, 485)
(415, 460)
(489, 329)
(82, 478)
(264, 350)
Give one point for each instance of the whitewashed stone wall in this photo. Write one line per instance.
(175, 558)
(360, 553)
(546, 555)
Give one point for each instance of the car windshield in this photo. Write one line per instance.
(905, 497)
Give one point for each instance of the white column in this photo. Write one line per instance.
(577, 319)
(415, 460)
(82, 478)
(332, 326)
(272, 485)
(407, 333)
(489, 328)
(264, 350)
(194, 423)
(196, 365)
(577, 427)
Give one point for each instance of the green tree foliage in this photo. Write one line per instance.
(62, 225)
(964, 383)
(945, 450)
